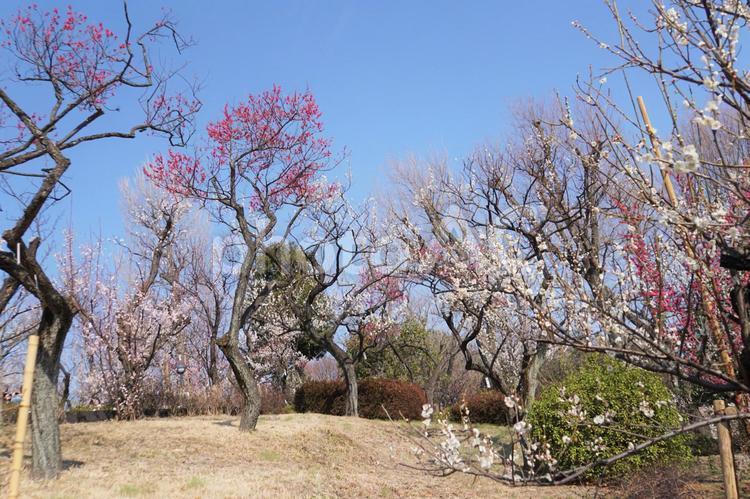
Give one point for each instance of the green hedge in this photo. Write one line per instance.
(400, 398)
(633, 403)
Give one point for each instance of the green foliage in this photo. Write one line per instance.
(289, 266)
(408, 356)
(446, 413)
(282, 262)
(399, 398)
(486, 406)
(620, 394)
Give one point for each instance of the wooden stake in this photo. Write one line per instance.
(725, 450)
(23, 417)
(706, 298)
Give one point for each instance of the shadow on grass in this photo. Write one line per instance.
(69, 464)
(66, 464)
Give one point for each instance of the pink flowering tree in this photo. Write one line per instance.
(133, 310)
(260, 170)
(81, 71)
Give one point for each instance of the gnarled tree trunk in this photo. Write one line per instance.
(528, 384)
(45, 430)
(213, 359)
(245, 380)
(346, 363)
(350, 377)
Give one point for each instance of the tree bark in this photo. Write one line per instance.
(442, 366)
(245, 381)
(429, 388)
(350, 377)
(528, 383)
(45, 429)
(346, 363)
(213, 370)
(292, 381)
(65, 395)
(431, 385)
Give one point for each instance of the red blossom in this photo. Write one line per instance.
(270, 146)
(75, 56)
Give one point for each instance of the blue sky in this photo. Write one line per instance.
(392, 78)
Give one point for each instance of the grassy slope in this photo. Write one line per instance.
(294, 455)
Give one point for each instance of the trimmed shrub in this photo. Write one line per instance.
(486, 406)
(324, 397)
(399, 398)
(618, 402)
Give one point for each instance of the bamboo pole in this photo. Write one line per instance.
(725, 451)
(708, 302)
(23, 417)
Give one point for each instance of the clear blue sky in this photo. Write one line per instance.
(392, 78)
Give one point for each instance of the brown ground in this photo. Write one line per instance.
(291, 455)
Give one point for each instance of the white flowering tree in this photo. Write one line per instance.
(132, 306)
(490, 241)
(209, 281)
(354, 301)
(644, 255)
(678, 271)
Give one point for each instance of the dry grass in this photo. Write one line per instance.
(294, 455)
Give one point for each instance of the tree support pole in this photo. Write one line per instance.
(708, 302)
(23, 417)
(725, 450)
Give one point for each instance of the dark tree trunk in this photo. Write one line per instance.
(245, 381)
(346, 363)
(432, 381)
(528, 384)
(57, 316)
(213, 371)
(350, 377)
(65, 392)
(45, 430)
(214, 324)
